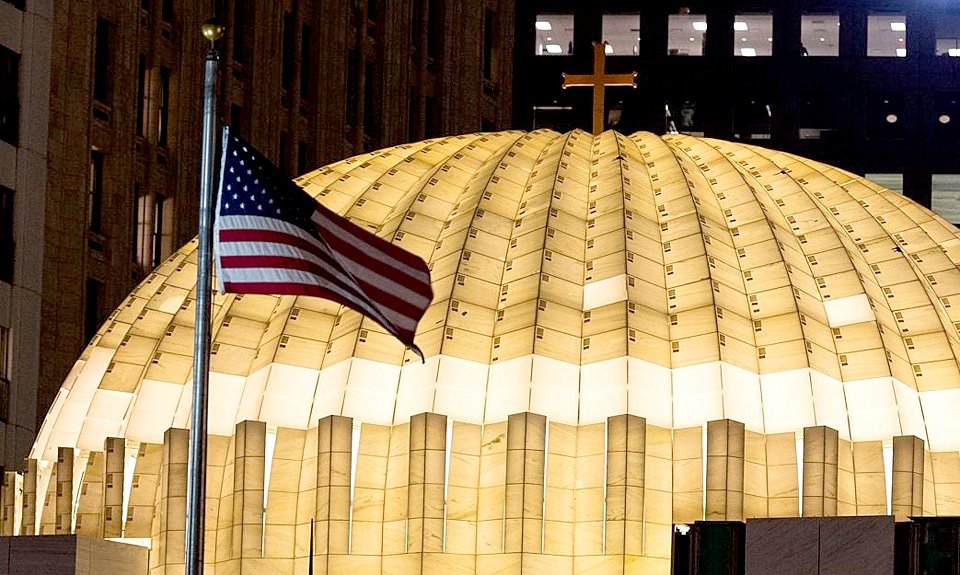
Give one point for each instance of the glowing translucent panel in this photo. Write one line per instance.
(787, 401)
(604, 292)
(848, 310)
(872, 409)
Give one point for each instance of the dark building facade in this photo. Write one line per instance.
(869, 86)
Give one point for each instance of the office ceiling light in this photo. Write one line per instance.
(740, 26)
(898, 26)
(954, 52)
(700, 26)
(748, 52)
(554, 49)
(608, 49)
(902, 52)
(544, 25)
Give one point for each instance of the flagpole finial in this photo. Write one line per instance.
(212, 30)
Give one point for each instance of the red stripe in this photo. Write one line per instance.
(369, 292)
(419, 286)
(376, 242)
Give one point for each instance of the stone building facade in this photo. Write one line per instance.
(25, 51)
(303, 86)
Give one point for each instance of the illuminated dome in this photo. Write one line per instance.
(680, 280)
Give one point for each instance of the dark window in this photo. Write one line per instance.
(303, 158)
(166, 11)
(885, 115)
(353, 86)
(141, 95)
(136, 240)
(240, 45)
(306, 64)
(95, 192)
(818, 116)
(371, 107)
(284, 160)
(6, 235)
(239, 120)
(5, 359)
(102, 62)
(93, 314)
(163, 112)
(373, 10)
(434, 29)
(432, 113)
(751, 118)
(289, 39)
(947, 114)
(16, 3)
(488, 39)
(416, 24)
(413, 115)
(9, 96)
(158, 229)
(145, 5)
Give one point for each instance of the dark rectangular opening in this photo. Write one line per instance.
(9, 96)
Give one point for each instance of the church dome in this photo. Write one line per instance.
(676, 278)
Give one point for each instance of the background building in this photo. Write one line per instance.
(25, 52)
(304, 86)
(872, 86)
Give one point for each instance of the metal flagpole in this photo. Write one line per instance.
(197, 462)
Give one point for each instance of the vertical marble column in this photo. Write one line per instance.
(28, 518)
(90, 503)
(908, 462)
(869, 478)
(113, 448)
(428, 444)
(846, 485)
(946, 474)
(725, 452)
(626, 448)
(143, 489)
(251, 437)
(783, 490)
(64, 503)
(173, 501)
(9, 503)
(332, 526)
(279, 538)
(754, 475)
(523, 509)
(48, 508)
(821, 446)
(687, 474)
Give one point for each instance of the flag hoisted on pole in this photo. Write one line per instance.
(273, 238)
(197, 457)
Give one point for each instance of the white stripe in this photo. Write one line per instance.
(351, 266)
(328, 225)
(261, 248)
(383, 314)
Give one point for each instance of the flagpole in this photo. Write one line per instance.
(197, 461)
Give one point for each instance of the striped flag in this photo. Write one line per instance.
(270, 237)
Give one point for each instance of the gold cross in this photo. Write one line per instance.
(599, 80)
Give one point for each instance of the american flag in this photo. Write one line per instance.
(270, 237)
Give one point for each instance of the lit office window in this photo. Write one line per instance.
(945, 196)
(753, 35)
(820, 35)
(887, 35)
(554, 35)
(893, 182)
(686, 34)
(622, 34)
(948, 35)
